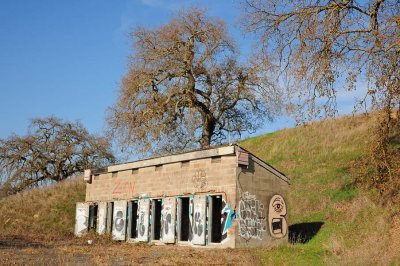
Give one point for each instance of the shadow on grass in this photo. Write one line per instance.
(303, 232)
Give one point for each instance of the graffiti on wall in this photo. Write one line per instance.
(228, 215)
(251, 219)
(119, 220)
(123, 187)
(168, 220)
(199, 220)
(199, 179)
(277, 217)
(82, 217)
(143, 219)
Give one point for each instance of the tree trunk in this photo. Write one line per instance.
(208, 130)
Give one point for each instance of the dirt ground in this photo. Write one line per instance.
(18, 250)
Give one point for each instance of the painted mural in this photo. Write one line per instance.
(251, 217)
(277, 217)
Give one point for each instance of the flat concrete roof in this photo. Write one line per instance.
(188, 156)
(191, 155)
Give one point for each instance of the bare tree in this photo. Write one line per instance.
(321, 44)
(326, 47)
(186, 88)
(52, 151)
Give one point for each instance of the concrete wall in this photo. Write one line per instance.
(201, 177)
(167, 180)
(256, 186)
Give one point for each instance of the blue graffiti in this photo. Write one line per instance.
(228, 215)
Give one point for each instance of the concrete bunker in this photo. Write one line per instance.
(219, 197)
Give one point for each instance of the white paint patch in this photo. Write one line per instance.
(81, 218)
(102, 218)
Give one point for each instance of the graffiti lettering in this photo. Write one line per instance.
(123, 187)
(199, 179)
(228, 215)
(251, 220)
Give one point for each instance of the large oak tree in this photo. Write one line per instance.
(53, 150)
(186, 88)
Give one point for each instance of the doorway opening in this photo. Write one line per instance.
(156, 219)
(110, 213)
(134, 217)
(92, 217)
(216, 209)
(184, 219)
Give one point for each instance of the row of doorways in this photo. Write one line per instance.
(196, 219)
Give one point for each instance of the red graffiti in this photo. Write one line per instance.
(123, 187)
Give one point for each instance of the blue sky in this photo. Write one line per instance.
(66, 58)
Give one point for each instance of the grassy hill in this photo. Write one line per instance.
(318, 159)
(352, 227)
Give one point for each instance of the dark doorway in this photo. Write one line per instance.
(156, 223)
(216, 208)
(92, 217)
(134, 216)
(184, 220)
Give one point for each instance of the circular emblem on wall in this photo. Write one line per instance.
(277, 217)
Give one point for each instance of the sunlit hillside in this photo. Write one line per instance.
(332, 221)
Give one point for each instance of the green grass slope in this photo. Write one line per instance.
(317, 158)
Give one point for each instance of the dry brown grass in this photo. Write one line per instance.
(44, 213)
(78, 252)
